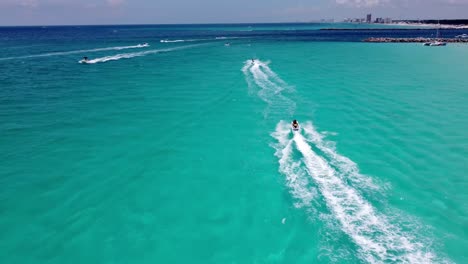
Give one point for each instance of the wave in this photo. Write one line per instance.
(76, 52)
(135, 54)
(271, 87)
(378, 240)
(349, 170)
(296, 176)
(179, 40)
(319, 178)
(194, 40)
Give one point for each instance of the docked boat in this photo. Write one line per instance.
(436, 42)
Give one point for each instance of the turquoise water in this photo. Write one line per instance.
(181, 152)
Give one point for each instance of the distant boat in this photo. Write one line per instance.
(436, 42)
(462, 36)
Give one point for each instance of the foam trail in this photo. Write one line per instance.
(274, 76)
(181, 40)
(221, 38)
(296, 176)
(271, 87)
(76, 52)
(377, 239)
(135, 54)
(347, 168)
(248, 78)
(193, 40)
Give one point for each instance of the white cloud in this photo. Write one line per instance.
(372, 3)
(29, 3)
(361, 3)
(299, 10)
(457, 2)
(115, 3)
(22, 3)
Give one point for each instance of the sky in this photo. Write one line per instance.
(93, 12)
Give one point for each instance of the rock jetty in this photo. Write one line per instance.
(415, 40)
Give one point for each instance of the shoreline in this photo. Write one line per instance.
(391, 29)
(415, 40)
(402, 26)
(425, 25)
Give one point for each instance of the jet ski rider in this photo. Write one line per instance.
(295, 124)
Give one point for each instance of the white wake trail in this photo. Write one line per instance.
(136, 54)
(377, 239)
(347, 168)
(296, 176)
(181, 40)
(271, 87)
(195, 40)
(50, 54)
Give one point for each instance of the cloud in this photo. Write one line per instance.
(115, 3)
(21, 3)
(300, 10)
(373, 3)
(361, 3)
(29, 3)
(457, 2)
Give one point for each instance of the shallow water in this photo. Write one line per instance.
(181, 152)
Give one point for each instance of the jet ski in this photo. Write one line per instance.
(295, 126)
(144, 45)
(84, 60)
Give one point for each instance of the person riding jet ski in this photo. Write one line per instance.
(295, 125)
(84, 60)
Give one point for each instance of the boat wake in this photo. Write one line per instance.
(329, 185)
(349, 170)
(258, 74)
(194, 40)
(181, 40)
(134, 54)
(50, 54)
(378, 240)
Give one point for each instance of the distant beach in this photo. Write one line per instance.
(425, 25)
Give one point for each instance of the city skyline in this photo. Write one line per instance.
(88, 12)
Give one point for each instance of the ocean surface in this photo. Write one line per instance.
(182, 152)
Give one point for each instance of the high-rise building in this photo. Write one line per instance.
(369, 18)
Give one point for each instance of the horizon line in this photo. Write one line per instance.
(318, 21)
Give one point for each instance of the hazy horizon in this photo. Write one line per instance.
(124, 12)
